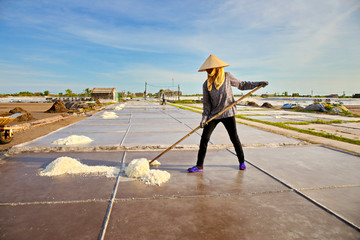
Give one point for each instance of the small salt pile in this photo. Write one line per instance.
(68, 165)
(109, 115)
(119, 107)
(155, 163)
(140, 169)
(73, 140)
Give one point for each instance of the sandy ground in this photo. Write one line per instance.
(353, 108)
(349, 130)
(38, 112)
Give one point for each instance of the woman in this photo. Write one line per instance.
(217, 95)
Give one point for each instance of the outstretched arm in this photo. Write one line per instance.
(244, 85)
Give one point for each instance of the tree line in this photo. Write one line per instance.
(66, 93)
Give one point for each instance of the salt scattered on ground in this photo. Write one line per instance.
(140, 169)
(73, 140)
(109, 115)
(68, 165)
(156, 177)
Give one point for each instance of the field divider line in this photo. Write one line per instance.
(201, 196)
(14, 204)
(127, 131)
(111, 203)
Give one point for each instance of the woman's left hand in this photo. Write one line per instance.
(264, 83)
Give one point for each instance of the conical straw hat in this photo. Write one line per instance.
(212, 62)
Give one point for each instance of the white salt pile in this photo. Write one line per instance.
(155, 163)
(109, 115)
(68, 165)
(140, 169)
(119, 107)
(73, 140)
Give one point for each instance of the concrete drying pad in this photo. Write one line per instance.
(52, 221)
(20, 180)
(343, 200)
(160, 138)
(99, 139)
(254, 216)
(308, 166)
(287, 192)
(220, 203)
(92, 128)
(328, 176)
(159, 127)
(221, 176)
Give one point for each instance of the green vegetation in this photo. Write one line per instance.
(185, 101)
(109, 103)
(344, 113)
(318, 121)
(189, 107)
(186, 108)
(68, 93)
(254, 110)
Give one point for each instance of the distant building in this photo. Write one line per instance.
(104, 93)
(169, 93)
(332, 96)
(139, 94)
(356, 95)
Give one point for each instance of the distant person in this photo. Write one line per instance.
(217, 95)
(163, 99)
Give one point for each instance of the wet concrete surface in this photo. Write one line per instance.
(221, 176)
(99, 139)
(343, 199)
(257, 216)
(308, 166)
(287, 192)
(52, 221)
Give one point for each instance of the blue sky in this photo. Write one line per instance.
(298, 46)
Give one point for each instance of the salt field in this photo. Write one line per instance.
(288, 183)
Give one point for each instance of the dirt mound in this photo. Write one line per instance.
(252, 104)
(57, 107)
(298, 108)
(266, 105)
(25, 117)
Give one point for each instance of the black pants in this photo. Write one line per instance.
(230, 126)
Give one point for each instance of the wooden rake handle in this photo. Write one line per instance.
(209, 120)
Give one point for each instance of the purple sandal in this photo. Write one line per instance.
(195, 169)
(242, 166)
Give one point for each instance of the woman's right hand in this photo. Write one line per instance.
(203, 121)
